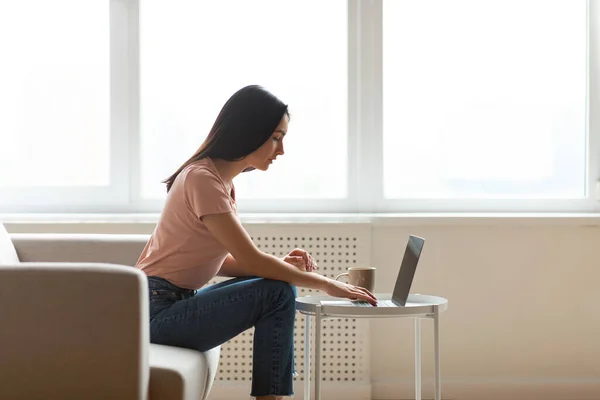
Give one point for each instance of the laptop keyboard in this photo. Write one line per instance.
(360, 303)
(380, 303)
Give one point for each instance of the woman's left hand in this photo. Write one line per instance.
(301, 259)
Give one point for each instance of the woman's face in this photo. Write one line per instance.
(264, 156)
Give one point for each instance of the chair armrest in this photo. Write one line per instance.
(73, 328)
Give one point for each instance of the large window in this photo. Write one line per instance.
(54, 96)
(484, 99)
(196, 54)
(397, 105)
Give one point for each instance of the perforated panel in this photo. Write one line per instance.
(345, 341)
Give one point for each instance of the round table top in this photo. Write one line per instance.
(416, 304)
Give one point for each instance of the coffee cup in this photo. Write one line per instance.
(360, 276)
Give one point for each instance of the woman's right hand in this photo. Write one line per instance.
(341, 289)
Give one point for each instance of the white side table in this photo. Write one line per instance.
(417, 307)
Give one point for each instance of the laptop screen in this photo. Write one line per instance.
(408, 268)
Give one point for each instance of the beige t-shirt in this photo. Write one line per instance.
(181, 249)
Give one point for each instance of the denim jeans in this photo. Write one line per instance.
(206, 318)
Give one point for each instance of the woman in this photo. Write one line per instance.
(199, 236)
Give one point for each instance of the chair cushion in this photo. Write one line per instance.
(8, 254)
(178, 373)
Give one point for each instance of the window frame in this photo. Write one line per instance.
(365, 136)
(113, 197)
(588, 203)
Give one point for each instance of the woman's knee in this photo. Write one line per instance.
(285, 290)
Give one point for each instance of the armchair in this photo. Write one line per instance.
(75, 324)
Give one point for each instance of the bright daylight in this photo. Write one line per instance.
(299, 199)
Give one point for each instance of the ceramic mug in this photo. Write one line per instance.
(360, 276)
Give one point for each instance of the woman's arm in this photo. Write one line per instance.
(228, 230)
(232, 268)
(298, 258)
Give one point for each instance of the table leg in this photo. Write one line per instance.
(436, 340)
(307, 359)
(418, 359)
(318, 353)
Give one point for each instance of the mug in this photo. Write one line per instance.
(360, 276)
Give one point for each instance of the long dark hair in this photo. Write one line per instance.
(245, 122)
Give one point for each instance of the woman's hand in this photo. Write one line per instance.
(341, 289)
(301, 259)
(304, 261)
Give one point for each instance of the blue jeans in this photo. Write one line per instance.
(206, 318)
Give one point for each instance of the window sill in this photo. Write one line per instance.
(509, 219)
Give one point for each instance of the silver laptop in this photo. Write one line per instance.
(414, 247)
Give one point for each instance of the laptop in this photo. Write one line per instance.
(414, 247)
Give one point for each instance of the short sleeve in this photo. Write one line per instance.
(205, 193)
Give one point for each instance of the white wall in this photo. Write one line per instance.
(523, 320)
(523, 311)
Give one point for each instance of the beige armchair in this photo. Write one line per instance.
(74, 324)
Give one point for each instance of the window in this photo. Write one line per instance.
(484, 99)
(55, 94)
(194, 55)
(396, 106)
(60, 107)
